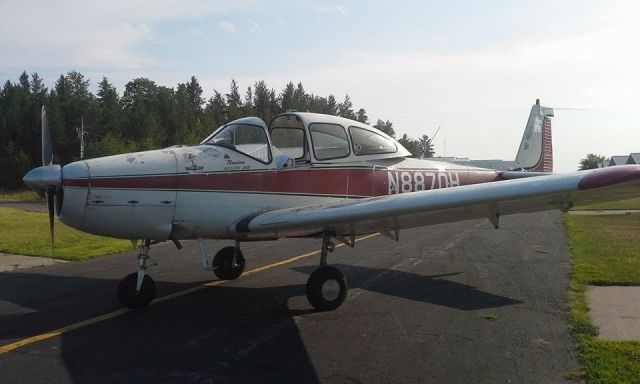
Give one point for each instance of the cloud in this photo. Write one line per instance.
(340, 10)
(483, 94)
(254, 27)
(195, 34)
(92, 33)
(226, 27)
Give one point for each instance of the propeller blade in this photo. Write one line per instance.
(50, 193)
(47, 143)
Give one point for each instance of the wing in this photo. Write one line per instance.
(394, 212)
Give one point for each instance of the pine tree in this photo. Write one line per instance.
(299, 99)
(234, 103)
(345, 109)
(362, 117)
(332, 106)
(386, 127)
(109, 109)
(286, 97)
(247, 106)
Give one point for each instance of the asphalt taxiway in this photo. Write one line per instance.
(454, 303)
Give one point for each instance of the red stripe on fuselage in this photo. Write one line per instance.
(339, 181)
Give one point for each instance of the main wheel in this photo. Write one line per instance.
(223, 264)
(326, 288)
(130, 297)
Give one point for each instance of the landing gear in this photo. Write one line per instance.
(133, 298)
(137, 290)
(229, 263)
(327, 286)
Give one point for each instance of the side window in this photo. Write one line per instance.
(366, 142)
(329, 141)
(289, 141)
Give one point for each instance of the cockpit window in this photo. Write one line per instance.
(366, 142)
(329, 141)
(289, 141)
(245, 138)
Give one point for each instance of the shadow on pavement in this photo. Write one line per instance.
(218, 334)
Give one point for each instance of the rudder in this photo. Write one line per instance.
(536, 148)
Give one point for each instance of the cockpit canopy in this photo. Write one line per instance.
(306, 138)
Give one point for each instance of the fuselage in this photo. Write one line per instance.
(200, 191)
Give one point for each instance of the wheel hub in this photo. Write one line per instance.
(330, 290)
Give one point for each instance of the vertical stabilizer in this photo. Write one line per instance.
(536, 148)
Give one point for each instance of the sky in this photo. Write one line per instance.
(472, 68)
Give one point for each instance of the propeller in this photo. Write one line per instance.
(48, 177)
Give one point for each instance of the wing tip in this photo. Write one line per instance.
(610, 176)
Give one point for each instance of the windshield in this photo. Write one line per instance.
(245, 138)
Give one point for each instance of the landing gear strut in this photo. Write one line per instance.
(327, 286)
(137, 290)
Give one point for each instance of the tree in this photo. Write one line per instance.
(412, 145)
(234, 102)
(299, 99)
(286, 96)
(261, 102)
(216, 111)
(109, 109)
(591, 161)
(361, 116)
(247, 106)
(332, 106)
(140, 101)
(426, 147)
(345, 109)
(386, 127)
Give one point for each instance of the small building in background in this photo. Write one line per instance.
(618, 160)
(634, 158)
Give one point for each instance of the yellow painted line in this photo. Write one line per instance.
(47, 335)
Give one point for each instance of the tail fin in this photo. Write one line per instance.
(536, 148)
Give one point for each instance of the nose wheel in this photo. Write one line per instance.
(134, 298)
(138, 289)
(327, 285)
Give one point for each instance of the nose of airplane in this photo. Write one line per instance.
(41, 178)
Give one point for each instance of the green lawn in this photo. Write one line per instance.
(27, 233)
(621, 204)
(26, 196)
(605, 251)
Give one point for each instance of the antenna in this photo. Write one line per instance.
(428, 143)
(435, 134)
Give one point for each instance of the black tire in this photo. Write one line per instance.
(132, 299)
(326, 288)
(223, 264)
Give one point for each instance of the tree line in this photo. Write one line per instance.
(145, 116)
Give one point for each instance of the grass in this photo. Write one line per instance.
(27, 233)
(621, 204)
(606, 251)
(25, 196)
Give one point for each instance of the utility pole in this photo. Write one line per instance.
(81, 133)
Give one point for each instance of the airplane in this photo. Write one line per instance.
(303, 175)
